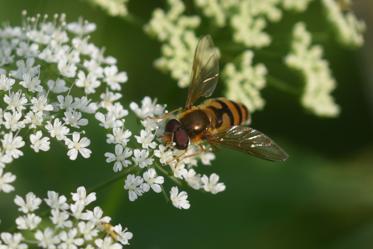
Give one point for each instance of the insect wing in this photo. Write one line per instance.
(205, 71)
(250, 141)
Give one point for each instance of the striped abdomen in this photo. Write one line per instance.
(224, 114)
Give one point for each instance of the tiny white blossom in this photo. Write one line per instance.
(148, 108)
(57, 129)
(5, 180)
(47, 238)
(38, 142)
(179, 200)
(29, 204)
(141, 158)
(120, 157)
(152, 181)
(12, 241)
(212, 184)
(146, 139)
(119, 136)
(56, 201)
(28, 222)
(78, 145)
(134, 186)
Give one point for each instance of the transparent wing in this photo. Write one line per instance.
(250, 141)
(205, 71)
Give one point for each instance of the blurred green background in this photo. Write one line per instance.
(322, 197)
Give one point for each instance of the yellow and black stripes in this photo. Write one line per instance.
(226, 113)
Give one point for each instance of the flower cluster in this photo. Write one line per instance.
(307, 59)
(248, 22)
(177, 32)
(51, 80)
(246, 81)
(70, 224)
(296, 5)
(112, 7)
(149, 160)
(349, 29)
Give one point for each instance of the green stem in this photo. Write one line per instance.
(282, 86)
(113, 180)
(135, 20)
(174, 179)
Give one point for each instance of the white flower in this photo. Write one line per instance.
(96, 216)
(82, 197)
(123, 234)
(47, 238)
(31, 83)
(81, 27)
(6, 83)
(56, 201)
(15, 101)
(78, 145)
(34, 119)
(212, 184)
(148, 108)
(119, 136)
(39, 143)
(11, 144)
(179, 200)
(193, 179)
(25, 67)
(207, 157)
(113, 78)
(134, 186)
(296, 5)
(146, 139)
(88, 82)
(152, 181)
(120, 157)
(57, 129)
(107, 243)
(40, 104)
(12, 121)
(69, 240)
(74, 119)
(28, 222)
(60, 218)
(29, 204)
(12, 241)
(141, 158)
(113, 7)
(57, 86)
(164, 154)
(5, 180)
(88, 230)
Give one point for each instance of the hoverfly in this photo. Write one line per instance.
(217, 121)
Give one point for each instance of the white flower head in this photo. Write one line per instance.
(179, 199)
(78, 146)
(134, 186)
(29, 204)
(212, 184)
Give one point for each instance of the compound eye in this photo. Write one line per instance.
(172, 125)
(181, 139)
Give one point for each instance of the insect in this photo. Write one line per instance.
(217, 121)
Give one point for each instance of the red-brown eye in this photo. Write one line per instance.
(172, 125)
(181, 139)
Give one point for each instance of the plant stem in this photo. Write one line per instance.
(113, 180)
(282, 86)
